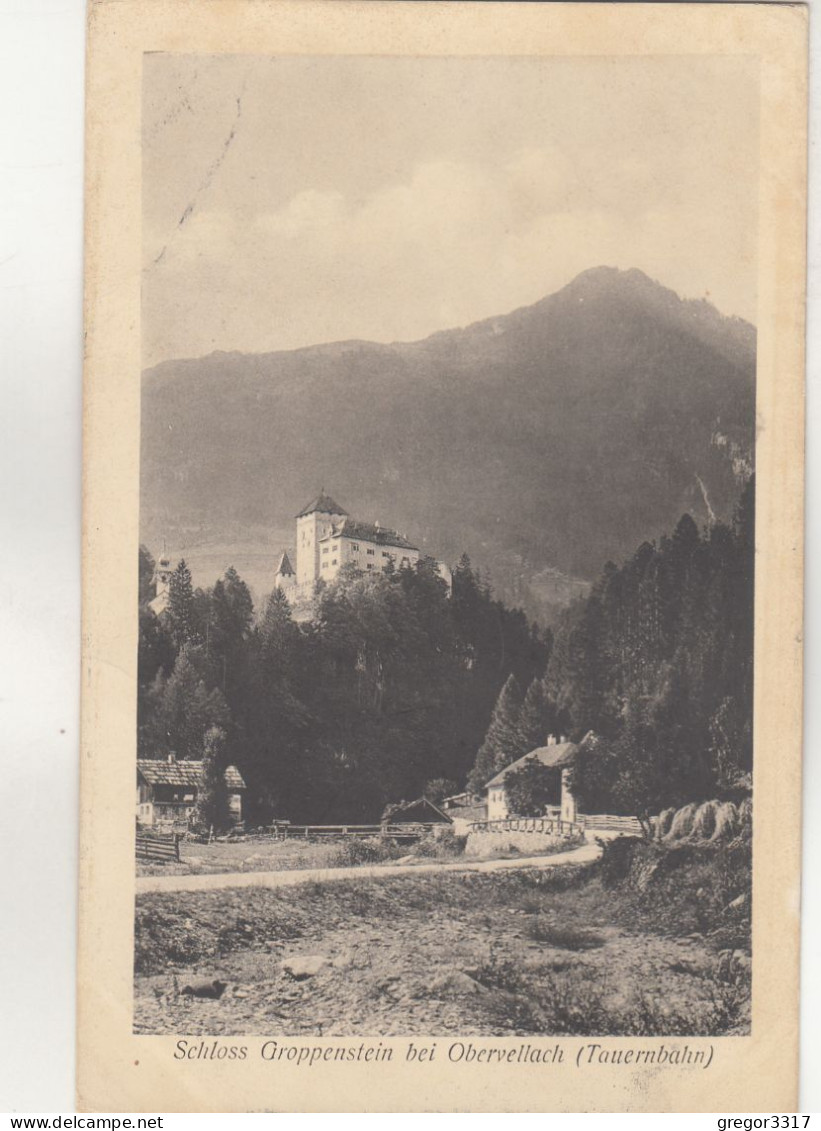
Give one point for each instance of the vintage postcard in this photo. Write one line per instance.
(443, 556)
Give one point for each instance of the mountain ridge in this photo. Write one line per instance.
(549, 438)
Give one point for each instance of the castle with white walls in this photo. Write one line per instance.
(328, 539)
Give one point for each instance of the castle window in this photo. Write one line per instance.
(333, 562)
(370, 565)
(371, 552)
(355, 547)
(324, 565)
(324, 549)
(385, 554)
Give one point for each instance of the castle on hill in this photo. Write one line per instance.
(328, 539)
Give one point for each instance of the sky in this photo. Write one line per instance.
(298, 200)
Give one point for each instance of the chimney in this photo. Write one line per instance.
(563, 739)
(171, 759)
(551, 740)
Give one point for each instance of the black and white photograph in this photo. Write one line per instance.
(444, 716)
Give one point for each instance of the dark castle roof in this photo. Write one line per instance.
(370, 532)
(285, 568)
(324, 504)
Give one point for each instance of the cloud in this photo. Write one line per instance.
(307, 213)
(452, 242)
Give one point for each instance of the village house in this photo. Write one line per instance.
(167, 791)
(328, 539)
(558, 755)
(419, 812)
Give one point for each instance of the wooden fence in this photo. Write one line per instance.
(160, 849)
(606, 822)
(550, 825)
(284, 830)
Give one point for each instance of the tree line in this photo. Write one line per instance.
(384, 695)
(395, 689)
(652, 673)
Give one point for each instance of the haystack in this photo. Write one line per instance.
(704, 821)
(682, 823)
(726, 821)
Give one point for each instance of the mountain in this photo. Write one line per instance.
(542, 442)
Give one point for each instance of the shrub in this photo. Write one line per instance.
(450, 843)
(616, 859)
(441, 844)
(562, 935)
(367, 850)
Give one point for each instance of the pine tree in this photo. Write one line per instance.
(180, 611)
(183, 709)
(503, 741)
(211, 811)
(538, 716)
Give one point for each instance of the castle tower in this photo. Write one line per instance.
(285, 575)
(312, 523)
(162, 582)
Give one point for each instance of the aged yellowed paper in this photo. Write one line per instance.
(442, 556)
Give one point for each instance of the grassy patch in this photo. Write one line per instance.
(562, 950)
(565, 936)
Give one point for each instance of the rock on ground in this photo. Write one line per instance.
(301, 966)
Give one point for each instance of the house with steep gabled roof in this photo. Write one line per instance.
(559, 755)
(167, 790)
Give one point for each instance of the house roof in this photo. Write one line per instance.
(476, 812)
(324, 504)
(157, 772)
(556, 756)
(285, 568)
(404, 811)
(370, 532)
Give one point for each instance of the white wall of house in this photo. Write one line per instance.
(569, 807)
(367, 556)
(497, 809)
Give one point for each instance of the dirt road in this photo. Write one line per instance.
(584, 854)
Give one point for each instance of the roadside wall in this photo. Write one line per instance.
(485, 843)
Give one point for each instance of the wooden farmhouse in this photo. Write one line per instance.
(556, 755)
(167, 791)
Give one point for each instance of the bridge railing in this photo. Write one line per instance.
(550, 825)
